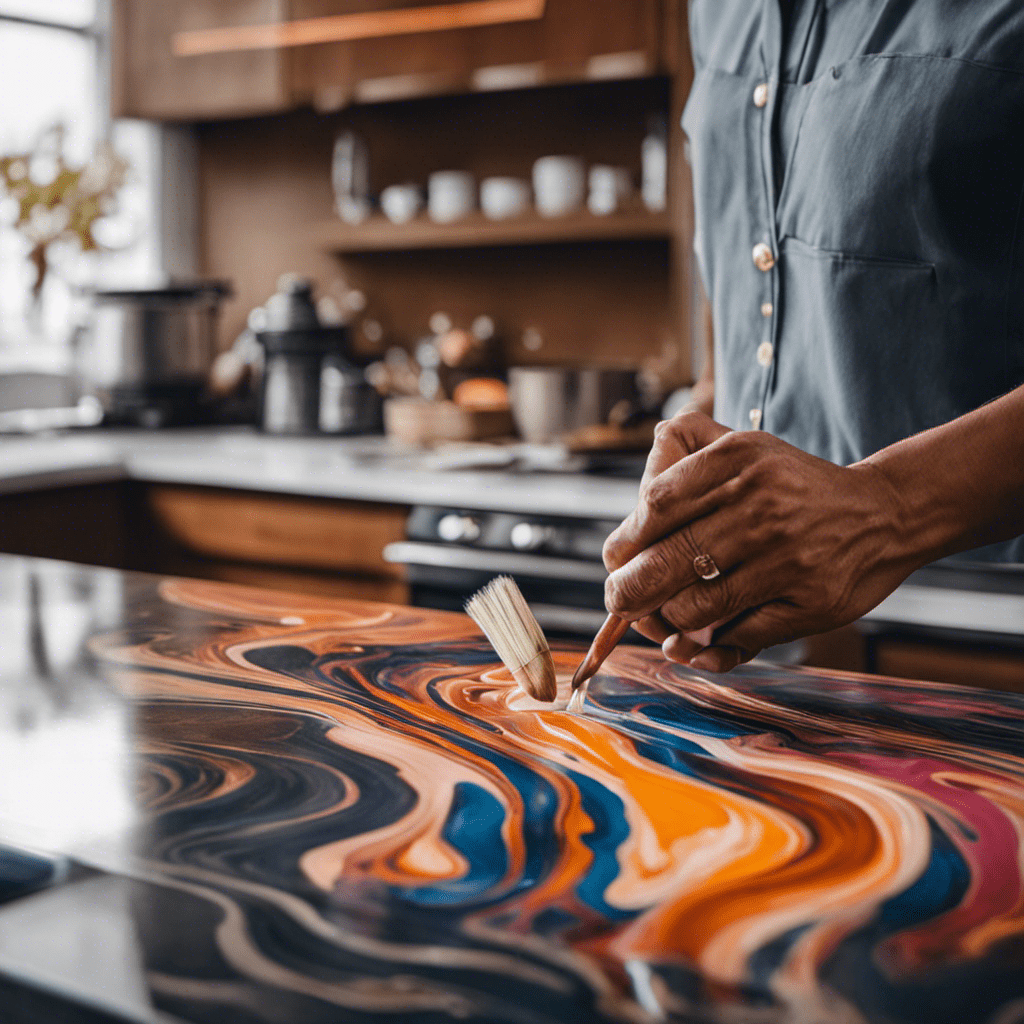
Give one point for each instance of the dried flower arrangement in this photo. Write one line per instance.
(55, 200)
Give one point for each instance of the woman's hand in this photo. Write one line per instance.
(803, 545)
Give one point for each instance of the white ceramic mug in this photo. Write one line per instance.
(501, 198)
(401, 203)
(559, 185)
(451, 195)
(609, 187)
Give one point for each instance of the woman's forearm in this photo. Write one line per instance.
(961, 484)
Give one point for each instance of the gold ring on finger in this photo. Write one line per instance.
(704, 566)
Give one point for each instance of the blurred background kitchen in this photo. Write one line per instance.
(369, 298)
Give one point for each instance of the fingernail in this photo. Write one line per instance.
(706, 661)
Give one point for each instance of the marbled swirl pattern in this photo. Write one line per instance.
(353, 814)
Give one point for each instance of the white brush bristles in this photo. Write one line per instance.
(501, 611)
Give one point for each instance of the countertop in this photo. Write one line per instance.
(969, 599)
(257, 808)
(358, 468)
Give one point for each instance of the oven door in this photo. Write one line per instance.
(566, 594)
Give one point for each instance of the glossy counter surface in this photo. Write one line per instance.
(273, 809)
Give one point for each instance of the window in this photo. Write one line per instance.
(52, 56)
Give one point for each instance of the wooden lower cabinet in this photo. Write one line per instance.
(306, 545)
(315, 545)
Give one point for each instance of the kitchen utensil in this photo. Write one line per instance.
(451, 195)
(297, 347)
(548, 401)
(609, 188)
(401, 203)
(348, 404)
(501, 611)
(502, 198)
(146, 353)
(559, 185)
(613, 630)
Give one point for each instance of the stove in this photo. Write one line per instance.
(449, 553)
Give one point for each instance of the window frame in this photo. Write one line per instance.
(62, 26)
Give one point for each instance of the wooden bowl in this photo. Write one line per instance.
(419, 421)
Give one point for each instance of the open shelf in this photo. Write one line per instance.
(378, 234)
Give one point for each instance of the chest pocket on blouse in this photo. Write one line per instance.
(907, 157)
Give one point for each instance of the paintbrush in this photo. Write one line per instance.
(613, 630)
(501, 611)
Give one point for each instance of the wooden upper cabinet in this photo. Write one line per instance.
(572, 40)
(149, 80)
(199, 59)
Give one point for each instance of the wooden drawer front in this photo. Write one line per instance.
(281, 530)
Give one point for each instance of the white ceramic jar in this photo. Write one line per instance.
(451, 195)
(559, 185)
(502, 198)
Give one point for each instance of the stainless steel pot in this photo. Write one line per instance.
(151, 347)
(548, 401)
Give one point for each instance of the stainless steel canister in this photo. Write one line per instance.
(147, 336)
(548, 401)
(150, 345)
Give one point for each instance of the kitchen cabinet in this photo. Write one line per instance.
(269, 539)
(148, 80)
(308, 545)
(574, 40)
(274, 809)
(199, 59)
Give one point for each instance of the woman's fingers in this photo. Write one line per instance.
(678, 437)
(666, 568)
(716, 603)
(802, 545)
(687, 490)
(731, 643)
(681, 648)
(774, 623)
(654, 627)
(718, 659)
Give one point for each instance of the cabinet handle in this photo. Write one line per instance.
(342, 28)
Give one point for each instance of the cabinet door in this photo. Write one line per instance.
(573, 40)
(150, 80)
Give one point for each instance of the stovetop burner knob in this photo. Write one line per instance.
(454, 527)
(529, 536)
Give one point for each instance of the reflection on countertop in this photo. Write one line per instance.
(516, 479)
(271, 808)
